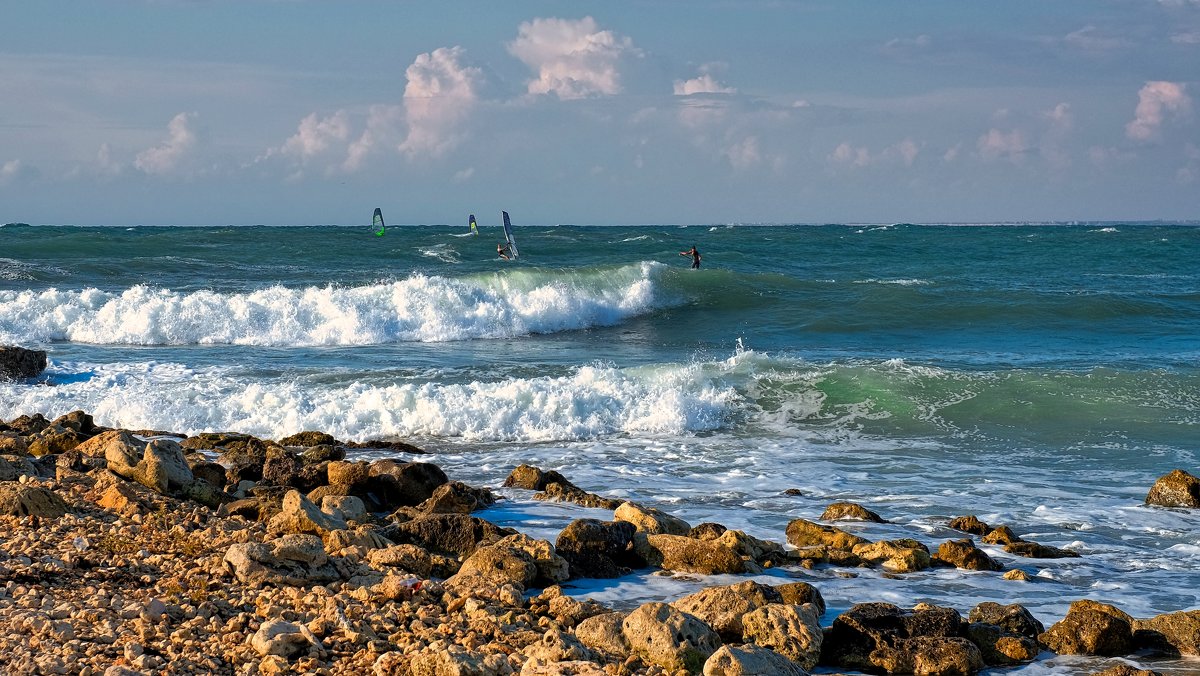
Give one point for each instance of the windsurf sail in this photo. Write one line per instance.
(377, 222)
(508, 236)
(474, 229)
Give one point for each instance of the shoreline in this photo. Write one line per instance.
(153, 551)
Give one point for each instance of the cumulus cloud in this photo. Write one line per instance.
(440, 95)
(382, 132)
(845, 155)
(166, 157)
(315, 136)
(996, 144)
(571, 59)
(704, 83)
(1156, 100)
(744, 153)
(849, 156)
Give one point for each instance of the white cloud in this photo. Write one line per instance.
(168, 156)
(1155, 100)
(849, 156)
(1092, 39)
(440, 95)
(383, 124)
(1062, 121)
(572, 59)
(314, 136)
(905, 152)
(704, 84)
(744, 154)
(14, 170)
(952, 153)
(996, 144)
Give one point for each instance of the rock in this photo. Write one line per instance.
(791, 631)
(405, 483)
(1018, 575)
(348, 507)
(707, 531)
(457, 534)
(684, 554)
(17, 362)
(308, 439)
(158, 464)
(299, 515)
(292, 560)
(851, 511)
(650, 521)
(723, 608)
(799, 593)
(897, 556)
(12, 443)
(750, 547)
(595, 548)
(558, 646)
(322, 453)
(206, 494)
(750, 660)
(363, 537)
(1170, 633)
(409, 558)
(964, 554)
(456, 660)
(551, 568)
(802, 533)
(1034, 550)
(14, 467)
(568, 612)
(1177, 489)
(881, 636)
(669, 638)
(1011, 619)
(276, 637)
(24, 500)
(203, 470)
(999, 648)
(123, 498)
(1123, 669)
(1091, 628)
(533, 479)
(604, 633)
(281, 467)
(243, 456)
(79, 421)
(455, 497)
(53, 440)
(1001, 535)
(970, 524)
(571, 493)
(28, 424)
(493, 565)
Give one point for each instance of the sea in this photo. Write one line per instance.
(1040, 376)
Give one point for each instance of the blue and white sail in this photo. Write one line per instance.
(508, 237)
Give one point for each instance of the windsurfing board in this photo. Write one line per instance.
(508, 236)
(377, 222)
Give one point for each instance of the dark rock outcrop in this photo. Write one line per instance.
(1091, 628)
(17, 362)
(964, 554)
(456, 534)
(596, 548)
(883, 637)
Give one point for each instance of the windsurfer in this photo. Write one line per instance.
(502, 251)
(694, 254)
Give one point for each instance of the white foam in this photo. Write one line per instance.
(419, 308)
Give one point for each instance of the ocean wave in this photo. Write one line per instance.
(418, 308)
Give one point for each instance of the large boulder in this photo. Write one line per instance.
(455, 497)
(749, 547)
(24, 500)
(551, 568)
(999, 648)
(1013, 618)
(896, 556)
(803, 533)
(799, 593)
(964, 554)
(53, 440)
(884, 637)
(687, 555)
(17, 362)
(595, 548)
(970, 524)
(292, 560)
(299, 515)
(791, 631)
(157, 464)
(604, 633)
(1171, 633)
(750, 660)
(1034, 550)
(491, 567)
(1177, 489)
(533, 479)
(669, 638)
(650, 520)
(404, 484)
(723, 608)
(13, 467)
(308, 439)
(1091, 628)
(851, 511)
(457, 534)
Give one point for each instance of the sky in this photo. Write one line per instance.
(292, 112)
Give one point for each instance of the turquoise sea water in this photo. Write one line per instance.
(1038, 376)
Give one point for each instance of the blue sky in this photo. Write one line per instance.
(292, 112)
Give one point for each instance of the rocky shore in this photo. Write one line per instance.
(147, 552)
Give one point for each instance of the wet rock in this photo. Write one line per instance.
(1091, 628)
(25, 500)
(322, 453)
(651, 521)
(684, 554)
(803, 533)
(791, 631)
(571, 493)
(299, 515)
(750, 547)
(881, 636)
(707, 531)
(281, 467)
(455, 497)
(999, 648)
(723, 608)
(551, 568)
(308, 439)
(1001, 535)
(534, 479)
(457, 534)
(80, 422)
(800, 593)
(750, 660)
(1170, 633)
(1034, 550)
(26, 425)
(18, 362)
(604, 633)
(1018, 575)
(896, 556)
(669, 638)
(970, 524)
(1013, 618)
(1177, 489)
(404, 484)
(850, 511)
(964, 554)
(595, 548)
(1123, 669)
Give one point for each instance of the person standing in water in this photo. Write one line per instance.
(695, 256)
